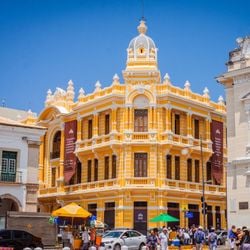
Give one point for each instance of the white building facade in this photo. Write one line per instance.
(19, 156)
(237, 87)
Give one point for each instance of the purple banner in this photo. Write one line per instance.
(70, 133)
(217, 157)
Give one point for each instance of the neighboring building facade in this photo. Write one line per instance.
(19, 155)
(118, 151)
(237, 86)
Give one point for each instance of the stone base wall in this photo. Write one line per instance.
(34, 223)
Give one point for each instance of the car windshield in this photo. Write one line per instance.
(113, 234)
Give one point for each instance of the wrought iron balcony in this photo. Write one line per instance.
(11, 177)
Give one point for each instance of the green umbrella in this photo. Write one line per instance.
(164, 218)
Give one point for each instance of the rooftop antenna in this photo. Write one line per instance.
(142, 10)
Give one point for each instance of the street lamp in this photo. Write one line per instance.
(204, 205)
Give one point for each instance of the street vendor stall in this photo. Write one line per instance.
(72, 211)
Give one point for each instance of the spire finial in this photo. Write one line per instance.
(142, 28)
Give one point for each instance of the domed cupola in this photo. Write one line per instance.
(141, 56)
(142, 46)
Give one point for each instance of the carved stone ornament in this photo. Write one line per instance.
(141, 101)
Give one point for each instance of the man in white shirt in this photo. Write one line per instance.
(163, 237)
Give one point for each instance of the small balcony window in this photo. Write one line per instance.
(141, 120)
(56, 146)
(9, 166)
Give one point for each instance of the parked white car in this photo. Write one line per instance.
(115, 239)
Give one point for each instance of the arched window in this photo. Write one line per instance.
(56, 145)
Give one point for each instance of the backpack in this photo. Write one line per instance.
(199, 237)
(212, 237)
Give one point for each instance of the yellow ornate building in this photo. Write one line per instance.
(118, 151)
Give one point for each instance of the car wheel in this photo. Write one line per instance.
(142, 245)
(117, 247)
(218, 242)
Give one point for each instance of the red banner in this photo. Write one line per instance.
(217, 157)
(70, 133)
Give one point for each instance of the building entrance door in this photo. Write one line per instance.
(141, 216)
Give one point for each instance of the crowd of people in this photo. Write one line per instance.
(238, 239)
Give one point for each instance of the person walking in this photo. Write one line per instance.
(232, 236)
(245, 244)
(163, 237)
(199, 237)
(152, 241)
(212, 239)
(85, 239)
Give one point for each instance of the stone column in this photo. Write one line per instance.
(247, 110)
(207, 126)
(61, 164)
(154, 117)
(168, 118)
(95, 124)
(130, 115)
(150, 118)
(79, 128)
(189, 124)
(126, 122)
(41, 161)
(114, 118)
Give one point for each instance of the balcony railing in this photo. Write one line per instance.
(11, 177)
(192, 187)
(137, 182)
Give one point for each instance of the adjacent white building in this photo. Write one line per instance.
(19, 156)
(237, 86)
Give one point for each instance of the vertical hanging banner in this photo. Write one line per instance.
(70, 133)
(217, 157)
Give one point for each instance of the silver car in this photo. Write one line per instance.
(115, 239)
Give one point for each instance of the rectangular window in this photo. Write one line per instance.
(140, 164)
(196, 129)
(106, 167)
(169, 166)
(92, 208)
(96, 170)
(53, 177)
(141, 120)
(107, 124)
(90, 129)
(209, 171)
(177, 167)
(197, 170)
(243, 205)
(189, 169)
(177, 124)
(9, 165)
(89, 170)
(78, 172)
(113, 166)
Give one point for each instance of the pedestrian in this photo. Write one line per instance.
(212, 239)
(191, 233)
(152, 241)
(85, 239)
(186, 237)
(232, 236)
(163, 237)
(199, 237)
(245, 245)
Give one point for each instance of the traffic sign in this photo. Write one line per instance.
(189, 215)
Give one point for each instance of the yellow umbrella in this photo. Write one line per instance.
(71, 210)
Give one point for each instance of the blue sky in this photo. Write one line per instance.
(45, 43)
